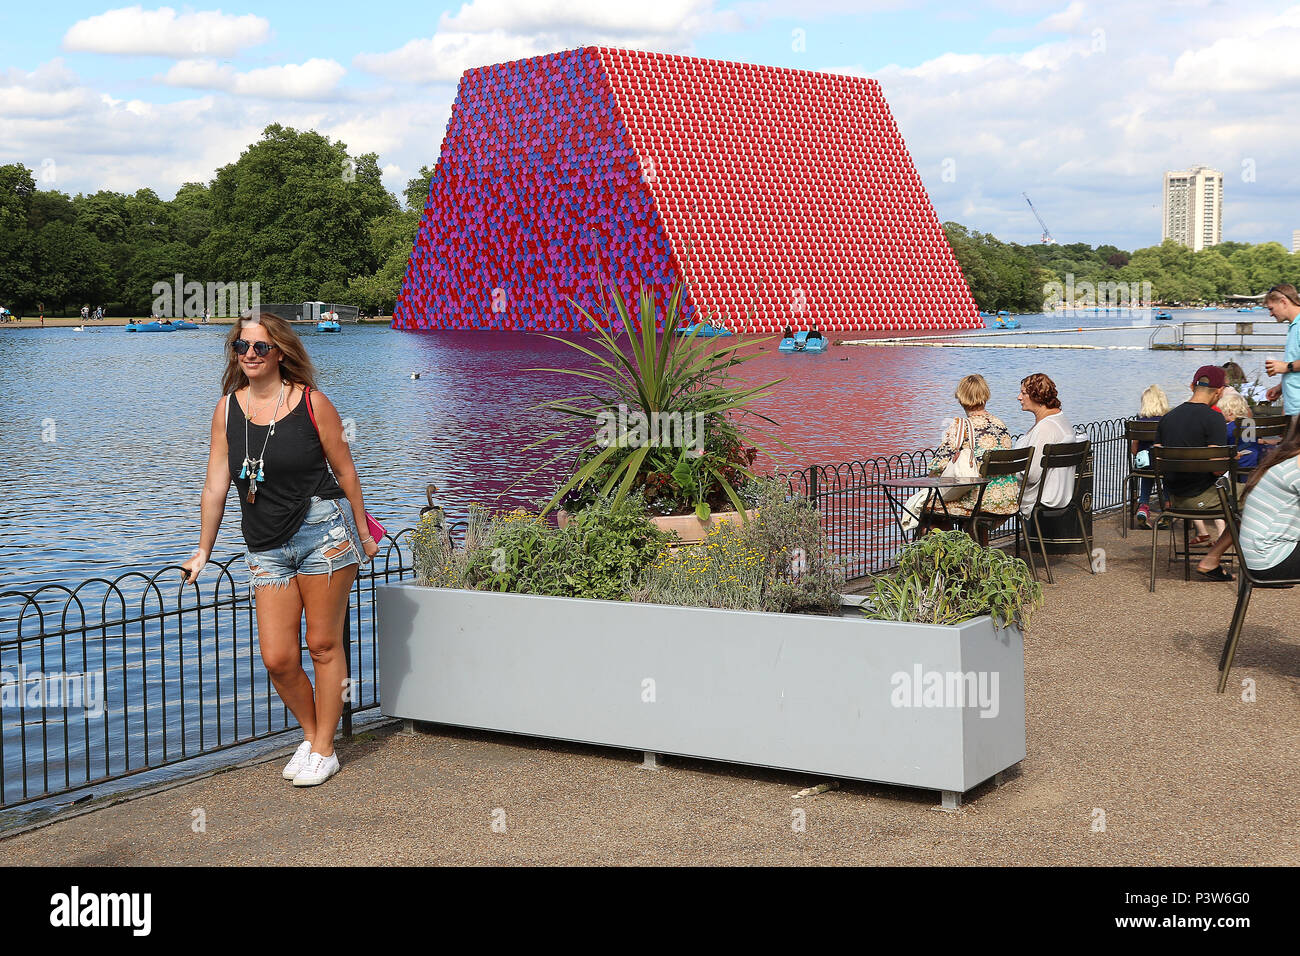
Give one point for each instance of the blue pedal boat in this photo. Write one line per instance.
(800, 343)
(706, 331)
(161, 325)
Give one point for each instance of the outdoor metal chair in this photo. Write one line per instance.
(1265, 424)
(1001, 463)
(1246, 582)
(1140, 432)
(1215, 460)
(995, 463)
(1061, 455)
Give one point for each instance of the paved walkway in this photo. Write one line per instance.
(1123, 720)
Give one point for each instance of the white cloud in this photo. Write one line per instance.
(443, 57)
(1243, 63)
(316, 79)
(51, 90)
(164, 32)
(494, 31)
(1088, 129)
(79, 139)
(1066, 20)
(666, 17)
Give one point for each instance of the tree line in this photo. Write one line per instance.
(295, 213)
(1006, 275)
(304, 219)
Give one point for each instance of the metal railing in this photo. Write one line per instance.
(861, 527)
(116, 677)
(1222, 336)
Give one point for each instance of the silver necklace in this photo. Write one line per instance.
(253, 467)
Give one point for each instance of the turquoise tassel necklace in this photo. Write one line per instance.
(253, 468)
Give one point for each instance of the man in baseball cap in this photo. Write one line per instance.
(1210, 376)
(1196, 424)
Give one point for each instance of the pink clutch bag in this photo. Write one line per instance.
(374, 528)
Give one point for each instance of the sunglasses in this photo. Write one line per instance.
(260, 349)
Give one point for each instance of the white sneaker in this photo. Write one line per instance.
(318, 769)
(297, 761)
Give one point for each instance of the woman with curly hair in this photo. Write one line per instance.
(1038, 397)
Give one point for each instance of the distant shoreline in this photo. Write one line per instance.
(115, 321)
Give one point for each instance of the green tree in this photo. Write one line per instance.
(73, 265)
(292, 213)
(50, 206)
(191, 214)
(416, 192)
(103, 215)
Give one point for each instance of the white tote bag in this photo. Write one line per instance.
(963, 465)
(910, 518)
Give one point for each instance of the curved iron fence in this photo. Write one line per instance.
(861, 527)
(115, 677)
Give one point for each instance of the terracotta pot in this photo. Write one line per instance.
(690, 529)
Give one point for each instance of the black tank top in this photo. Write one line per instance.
(295, 470)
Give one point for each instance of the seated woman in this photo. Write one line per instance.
(1038, 397)
(988, 432)
(1236, 410)
(1270, 516)
(814, 333)
(1154, 406)
(787, 332)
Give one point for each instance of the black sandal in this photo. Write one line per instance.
(1218, 574)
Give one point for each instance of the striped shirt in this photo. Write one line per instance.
(1270, 521)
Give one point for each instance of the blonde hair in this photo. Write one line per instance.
(1283, 291)
(1154, 402)
(1234, 406)
(295, 366)
(972, 391)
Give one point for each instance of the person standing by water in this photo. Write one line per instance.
(1283, 303)
(281, 442)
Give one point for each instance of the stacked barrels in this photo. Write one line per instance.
(779, 196)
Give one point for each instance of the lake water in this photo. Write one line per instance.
(104, 433)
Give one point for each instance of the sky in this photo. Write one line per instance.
(1082, 105)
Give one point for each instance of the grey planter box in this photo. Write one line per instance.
(822, 695)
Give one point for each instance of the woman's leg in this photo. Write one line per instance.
(279, 621)
(325, 599)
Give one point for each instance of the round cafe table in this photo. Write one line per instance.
(933, 485)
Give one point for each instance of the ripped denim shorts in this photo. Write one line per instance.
(325, 542)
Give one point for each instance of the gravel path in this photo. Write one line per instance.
(1123, 720)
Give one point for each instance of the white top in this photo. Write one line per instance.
(1052, 430)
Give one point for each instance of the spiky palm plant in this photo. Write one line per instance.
(656, 374)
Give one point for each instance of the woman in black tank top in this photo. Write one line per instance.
(280, 442)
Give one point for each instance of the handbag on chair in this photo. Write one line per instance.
(963, 465)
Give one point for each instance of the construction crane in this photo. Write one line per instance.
(1047, 239)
